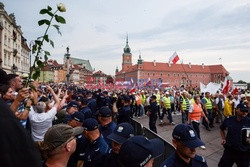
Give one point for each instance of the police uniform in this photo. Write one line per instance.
(175, 161)
(86, 112)
(107, 130)
(124, 114)
(111, 160)
(81, 143)
(92, 105)
(153, 116)
(234, 150)
(95, 153)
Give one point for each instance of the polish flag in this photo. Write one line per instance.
(174, 58)
(225, 88)
(148, 82)
(132, 81)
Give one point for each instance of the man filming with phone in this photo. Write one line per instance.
(236, 151)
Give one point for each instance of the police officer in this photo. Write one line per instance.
(84, 109)
(185, 141)
(125, 112)
(152, 114)
(121, 134)
(107, 125)
(96, 149)
(235, 151)
(138, 151)
(91, 102)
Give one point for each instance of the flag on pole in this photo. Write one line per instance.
(148, 82)
(174, 58)
(132, 81)
(225, 88)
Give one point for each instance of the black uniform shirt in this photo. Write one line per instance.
(175, 161)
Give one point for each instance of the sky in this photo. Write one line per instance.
(209, 32)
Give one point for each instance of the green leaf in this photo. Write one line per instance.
(58, 29)
(60, 19)
(47, 22)
(49, 8)
(46, 58)
(43, 11)
(46, 37)
(51, 14)
(36, 74)
(34, 48)
(39, 63)
(38, 42)
(47, 53)
(41, 22)
(51, 43)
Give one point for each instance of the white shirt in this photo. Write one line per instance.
(41, 122)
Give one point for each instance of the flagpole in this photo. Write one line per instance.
(185, 72)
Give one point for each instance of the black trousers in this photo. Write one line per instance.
(196, 125)
(152, 123)
(231, 156)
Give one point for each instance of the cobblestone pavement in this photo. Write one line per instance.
(212, 139)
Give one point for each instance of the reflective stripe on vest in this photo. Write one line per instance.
(167, 102)
(184, 105)
(196, 114)
(209, 105)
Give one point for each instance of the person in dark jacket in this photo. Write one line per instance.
(152, 114)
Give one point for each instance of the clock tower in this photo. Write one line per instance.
(126, 57)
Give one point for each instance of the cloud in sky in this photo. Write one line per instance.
(200, 31)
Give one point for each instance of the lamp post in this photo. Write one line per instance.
(67, 57)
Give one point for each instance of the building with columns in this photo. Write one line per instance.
(14, 53)
(172, 74)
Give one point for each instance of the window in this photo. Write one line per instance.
(196, 81)
(178, 75)
(168, 74)
(169, 80)
(153, 74)
(203, 75)
(161, 74)
(5, 40)
(5, 59)
(148, 74)
(196, 75)
(176, 81)
(174, 74)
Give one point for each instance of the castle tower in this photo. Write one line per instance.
(126, 57)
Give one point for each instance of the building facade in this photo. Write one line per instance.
(173, 74)
(13, 49)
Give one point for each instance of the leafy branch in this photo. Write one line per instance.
(37, 49)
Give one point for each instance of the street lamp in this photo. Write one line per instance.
(67, 57)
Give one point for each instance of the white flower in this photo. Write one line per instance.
(61, 7)
(25, 75)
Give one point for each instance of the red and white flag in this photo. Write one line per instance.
(148, 83)
(174, 58)
(132, 81)
(225, 88)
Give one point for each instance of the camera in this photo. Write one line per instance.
(245, 136)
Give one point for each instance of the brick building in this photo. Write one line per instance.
(173, 74)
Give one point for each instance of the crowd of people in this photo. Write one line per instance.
(75, 127)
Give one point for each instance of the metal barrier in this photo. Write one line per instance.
(138, 127)
(140, 130)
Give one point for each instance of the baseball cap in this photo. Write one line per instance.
(72, 104)
(138, 150)
(122, 133)
(78, 116)
(167, 93)
(243, 107)
(84, 101)
(187, 135)
(105, 112)
(59, 134)
(242, 95)
(90, 124)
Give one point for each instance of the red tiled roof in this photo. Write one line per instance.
(149, 66)
(218, 69)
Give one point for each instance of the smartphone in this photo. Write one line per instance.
(245, 136)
